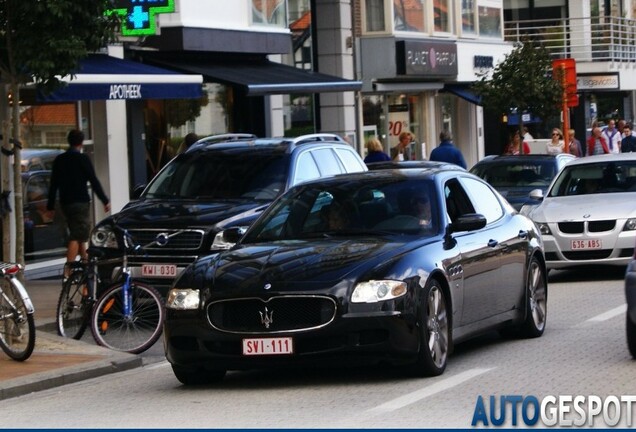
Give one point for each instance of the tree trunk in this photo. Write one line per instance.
(17, 176)
(6, 187)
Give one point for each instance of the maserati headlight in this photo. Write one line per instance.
(375, 291)
(630, 225)
(544, 228)
(104, 237)
(182, 299)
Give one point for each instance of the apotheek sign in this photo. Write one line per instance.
(597, 82)
(425, 58)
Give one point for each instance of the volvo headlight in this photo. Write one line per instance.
(183, 299)
(544, 228)
(630, 225)
(104, 237)
(375, 291)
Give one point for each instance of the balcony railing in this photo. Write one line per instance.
(595, 39)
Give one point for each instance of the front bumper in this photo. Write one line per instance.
(617, 248)
(189, 341)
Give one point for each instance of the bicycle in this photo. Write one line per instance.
(127, 316)
(17, 325)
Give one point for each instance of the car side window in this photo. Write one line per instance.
(484, 200)
(457, 202)
(350, 160)
(306, 168)
(327, 161)
(37, 189)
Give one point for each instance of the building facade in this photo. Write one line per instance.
(600, 36)
(417, 61)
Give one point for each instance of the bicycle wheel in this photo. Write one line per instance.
(17, 326)
(73, 307)
(135, 333)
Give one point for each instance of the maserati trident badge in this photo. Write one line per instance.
(267, 317)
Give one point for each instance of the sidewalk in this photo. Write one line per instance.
(56, 361)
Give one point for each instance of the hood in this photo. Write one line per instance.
(299, 264)
(181, 213)
(589, 207)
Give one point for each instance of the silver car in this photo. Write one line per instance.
(588, 215)
(630, 295)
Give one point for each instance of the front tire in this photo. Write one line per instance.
(434, 333)
(536, 301)
(631, 336)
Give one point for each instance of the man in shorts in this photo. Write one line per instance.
(72, 170)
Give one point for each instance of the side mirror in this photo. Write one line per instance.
(137, 190)
(536, 194)
(468, 222)
(233, 235)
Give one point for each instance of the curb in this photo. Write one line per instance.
(106, 362)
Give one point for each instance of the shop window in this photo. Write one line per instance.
(409, 15)
(271, 13)
(86, 120)
(489, 19)
(442, 16)
(468, 18)
(374, 16)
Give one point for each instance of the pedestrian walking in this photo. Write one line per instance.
(375, 152)
(447, 152)
(628, 144)
(596, 144)
(188, 140)
(613, 137)
(402, 151)
(574, 146)
(556, 144)
(71, 173)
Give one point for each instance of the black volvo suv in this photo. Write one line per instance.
(219, 183)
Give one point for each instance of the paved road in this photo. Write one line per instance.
(583, 352)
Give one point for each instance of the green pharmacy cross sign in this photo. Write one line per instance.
(138, 16)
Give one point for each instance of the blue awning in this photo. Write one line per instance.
(102, 77)
(464, 92)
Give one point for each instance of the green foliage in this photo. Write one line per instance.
(295, 131)
(523, 81)
(180, 111)
(46, 39)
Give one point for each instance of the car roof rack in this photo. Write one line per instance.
(212, 139)
(318, 137)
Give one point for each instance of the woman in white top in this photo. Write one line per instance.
(556, 145)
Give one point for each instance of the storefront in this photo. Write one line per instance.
(426, 90)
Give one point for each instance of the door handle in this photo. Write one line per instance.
(523, 234)
(492, 243)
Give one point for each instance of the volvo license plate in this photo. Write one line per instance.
(586, 244)
(159, 270)
(268, 346)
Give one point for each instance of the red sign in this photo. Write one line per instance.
(565, 70)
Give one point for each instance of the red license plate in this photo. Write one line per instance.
(159, 270)
(586, 244)
(268, 346)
